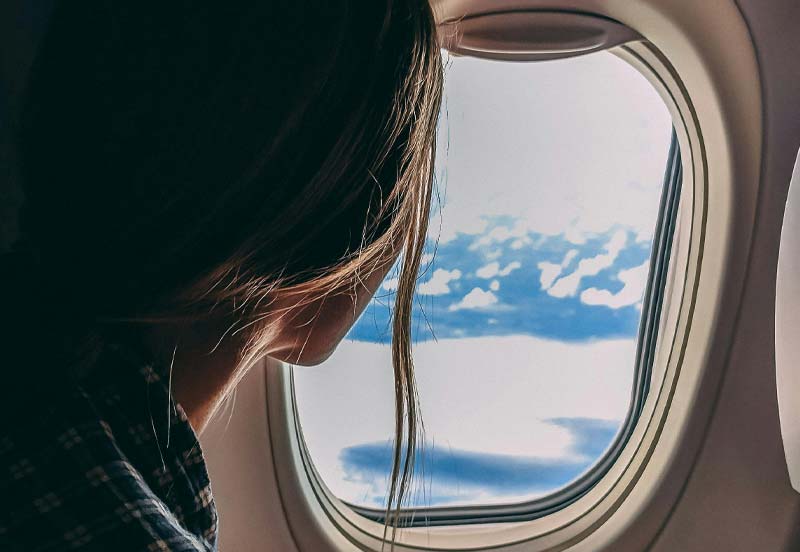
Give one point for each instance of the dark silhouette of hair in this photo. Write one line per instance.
(178, 157)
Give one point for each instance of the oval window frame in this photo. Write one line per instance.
(329, 523)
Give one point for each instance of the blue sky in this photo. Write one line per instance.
(548, 179)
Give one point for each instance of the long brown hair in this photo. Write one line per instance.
(184, 157)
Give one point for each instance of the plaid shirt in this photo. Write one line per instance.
(111, 464)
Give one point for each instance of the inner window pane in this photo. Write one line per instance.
(549, 180)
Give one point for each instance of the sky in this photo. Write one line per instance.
(549, 177)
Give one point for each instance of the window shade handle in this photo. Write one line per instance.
(532, 35)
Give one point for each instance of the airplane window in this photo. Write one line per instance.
(532, 298)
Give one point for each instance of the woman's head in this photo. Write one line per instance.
(255, 161)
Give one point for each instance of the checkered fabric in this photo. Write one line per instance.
(111, 465)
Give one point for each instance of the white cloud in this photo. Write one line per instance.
(501, 234)
(571, 254)
(568, 285)
(489, 271)
(475, 299)
(495, 285)
(438, 284)
(444, 233)
(635, 280)
(493, 269)
(390, 284)
(510, 267)
(574, 235)
(551, 271)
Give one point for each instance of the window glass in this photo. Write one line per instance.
(549, 177)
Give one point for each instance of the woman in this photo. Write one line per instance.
(204, 186)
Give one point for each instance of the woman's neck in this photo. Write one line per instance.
(203, 369)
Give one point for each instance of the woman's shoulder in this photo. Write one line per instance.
(108, 462)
